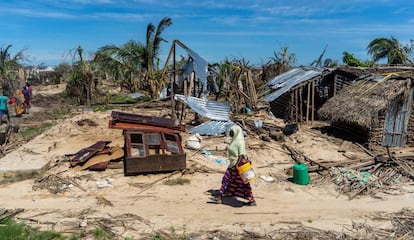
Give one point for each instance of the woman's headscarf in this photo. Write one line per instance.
(236, 146)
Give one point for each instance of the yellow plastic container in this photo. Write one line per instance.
(246, 172)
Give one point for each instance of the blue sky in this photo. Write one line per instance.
(49, 30)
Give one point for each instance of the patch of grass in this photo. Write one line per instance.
(119, 99)
(32, 132)
(101, 234)
(177, 181)
(10, 229)
(102, 108)
(173, 235)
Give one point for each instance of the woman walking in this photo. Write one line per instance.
(232, 184)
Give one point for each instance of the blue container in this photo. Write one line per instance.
(300, 174)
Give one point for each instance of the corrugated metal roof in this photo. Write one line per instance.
(219, 111)
(212, 128)
(285, 81)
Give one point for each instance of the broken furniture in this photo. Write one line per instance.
(96, 157)
(152, 144)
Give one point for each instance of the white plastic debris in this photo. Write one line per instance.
(106, 183)
(83, 223)
(194, 142)
(268, 179)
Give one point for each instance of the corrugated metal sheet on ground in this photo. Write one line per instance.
(285, 81)
(219, 111)
(212, 128)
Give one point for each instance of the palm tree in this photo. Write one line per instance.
(80, 84)
(124, 64)
(350, 60)
(134, 64)
(329, 62)
(283, 59)
(389, 48)
(9, 65)
(152, 51)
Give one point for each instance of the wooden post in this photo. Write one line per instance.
(296, 105)
(173, 113)
(190, 89)
(291, 104)
(300, 90)
(307, 103)
(313, 102)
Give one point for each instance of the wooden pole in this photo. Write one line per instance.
(291, 105)
(307, 103)
(296, 105)
(173, 113)
(300, 93)
(190, 89)
(313, 102)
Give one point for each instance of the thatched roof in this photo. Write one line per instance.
(361, 101)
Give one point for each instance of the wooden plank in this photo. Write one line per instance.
(117, 153)
(86, 153)
(296, 105)
(307, 104)
(313, 102)
(154, 163)
(300, 93)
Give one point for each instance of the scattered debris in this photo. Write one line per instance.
(194, 142)
(87, 122)
(268, 179)
(7, 213)
(84, 154)
(55, 184)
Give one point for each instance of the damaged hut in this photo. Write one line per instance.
(193, 79)
(297, 94)
(375, 110)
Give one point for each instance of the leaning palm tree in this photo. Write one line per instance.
(124, 63)
(388, 48)
(152, 51)
(9, 65)
(153, 42)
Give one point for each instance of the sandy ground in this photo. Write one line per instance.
(138, 206)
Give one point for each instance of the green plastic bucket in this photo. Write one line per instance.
(300, 174)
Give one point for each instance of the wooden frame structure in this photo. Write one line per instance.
(152, 144)
(239, 91)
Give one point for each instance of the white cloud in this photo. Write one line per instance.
(35, 13)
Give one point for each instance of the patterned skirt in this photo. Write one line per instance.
(233, 185)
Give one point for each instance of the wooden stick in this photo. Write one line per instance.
(156, 181)
(307, 104)
(245, 213)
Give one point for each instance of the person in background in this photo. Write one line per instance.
(27, 92)
(17, 100)
(3, 108)
(232, 184)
